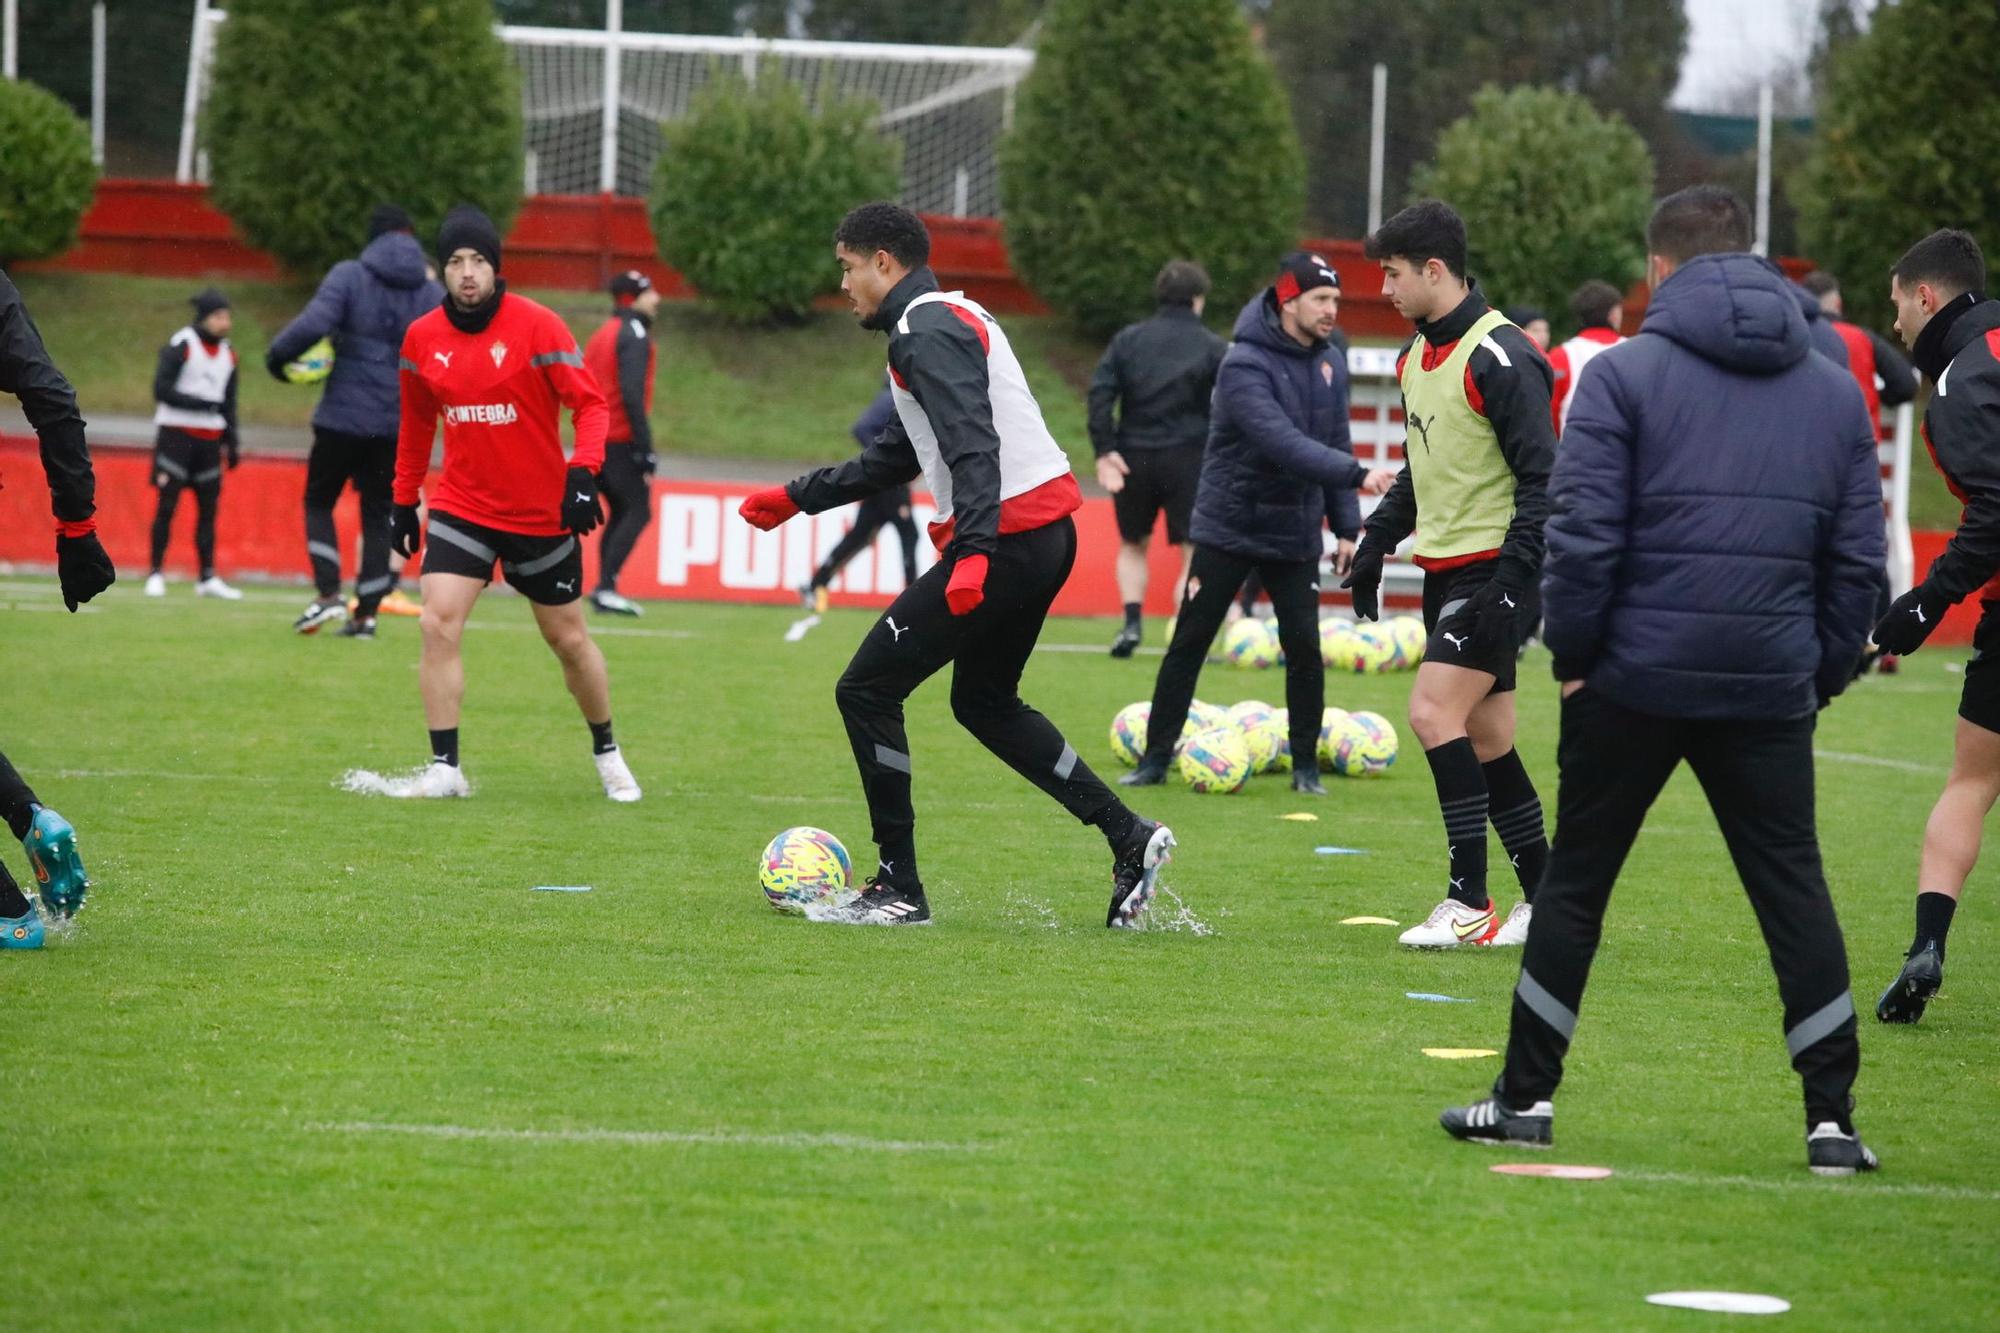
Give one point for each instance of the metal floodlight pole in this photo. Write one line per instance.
(97, 70)
(1763, 246)
(191, 100)
(1378, 129)
(10, 37)
(607, 162)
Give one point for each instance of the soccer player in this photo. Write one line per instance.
(968, 423)
(498, 368)
(1953, 333)
(1474, 488)
(1148, 425)
(1705, 622)
(194, 389)
(83, 570)
(1279, 469)
(1599, 312)
(365, 306)
(1531, 321)
(889, 507)
(623, 356)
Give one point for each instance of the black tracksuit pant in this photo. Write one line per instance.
(1213, 580)
(1758, 777)
(183, 462)
(369, 461)
(629, 493)
(989, 648)
(884, 509)
(16, 802)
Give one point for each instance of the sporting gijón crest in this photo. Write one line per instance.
(499, 350)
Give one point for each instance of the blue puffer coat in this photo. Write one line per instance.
(1716, 539)
(365, 305)
(1278, 448)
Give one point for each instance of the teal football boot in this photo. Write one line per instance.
(59, 873)
(21, 932)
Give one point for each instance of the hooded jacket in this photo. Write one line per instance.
(365, 305)
(1716, 541)
(1959, 352)
(1826, 339)
(1279, 459)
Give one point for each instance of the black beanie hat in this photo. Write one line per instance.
(629, 285)
(387, 218)
(1301, 271)
(206, 302)
(1522, 315)
(466, 228)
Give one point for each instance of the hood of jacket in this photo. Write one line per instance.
(396, 259)
(1258, 323)
(1736, 310)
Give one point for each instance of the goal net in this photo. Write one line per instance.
(592, 121)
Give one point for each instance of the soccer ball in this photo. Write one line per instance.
(1203, 716)
(1216, 760)
(1263, 741)
(1381, 651)
(1365, 746)
(1333, 633)
(1128, 732)
(1410, 637)
(1281, 727)
(1250, 643)
(1271, 623)
(1247, 712)
(314, 364)
(1330, 723)
(803, 866)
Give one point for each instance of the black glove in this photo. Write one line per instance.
(232, 453)
(83, 569)
(406, 531)
(1364, 580)
(1910, 621)
(1495, 612)
(276, 367)
(651, 463)
(580, 513)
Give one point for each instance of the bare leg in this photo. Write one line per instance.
(1951, 838)
(564, 630)
(1444, 699)
(448, 600)
(1132, 571)
(1490, 724)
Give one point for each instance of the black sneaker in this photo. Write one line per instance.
(322, 611)
(1135, 873)
(883, 905)
(1830, 1151)
(1305, 781)
(1904, 1001)
(361, 627)
(1499, 1126)
(1150, 772)
(1127, 640)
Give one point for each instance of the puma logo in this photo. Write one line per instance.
(894, 629)
(1458, 884)
(888, 867)
(1454, 640)
(567, 585)
(582, 498)
(1918, 612)
(1515, 861)
(1423, 428)
(444, 357)
(1507, 601)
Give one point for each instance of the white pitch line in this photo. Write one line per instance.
(643, 1137)
(1877, 761)
(1824, 1188)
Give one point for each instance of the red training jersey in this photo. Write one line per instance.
(500, 393)
(1861, 364)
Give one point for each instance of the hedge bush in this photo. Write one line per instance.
(1148, 130)
(46, 175)
(752, 183)
(323, 108)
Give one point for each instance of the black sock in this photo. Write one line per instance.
(600, 737)
(13, 902)
(1116, 822)
(1517, 818)
(898, 864)
(1934, 912)
(444, 746)
(1131, 613)
(1461, 793)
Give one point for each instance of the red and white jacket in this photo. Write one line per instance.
(500, 393)
(1568, 362)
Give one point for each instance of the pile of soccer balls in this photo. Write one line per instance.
(1221, 749)
(1396, 644)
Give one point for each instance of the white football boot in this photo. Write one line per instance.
(619, 784)
(1450, 924)
(437, 780)
(212, 586)
(1513, 932)
(156, 585)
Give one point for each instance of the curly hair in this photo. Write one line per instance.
(885, 226)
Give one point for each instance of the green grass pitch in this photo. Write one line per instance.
(314, 1060)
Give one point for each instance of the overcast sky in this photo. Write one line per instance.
(1731, 42)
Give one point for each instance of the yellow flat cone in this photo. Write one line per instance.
(1457, 1053)
(1368, 921)
(1301, 817)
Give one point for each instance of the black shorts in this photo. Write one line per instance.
(183, 460)
(546, 570)
(1445, 592)
(1159, 479)
(1979, 702)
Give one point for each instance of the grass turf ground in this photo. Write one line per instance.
(288, 1071)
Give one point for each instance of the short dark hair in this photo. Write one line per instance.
(1700, 220)
(1591, 304)
(1422, 232)
(1820, 283)
(1179, 282)
(885, 226)
(1947, 259)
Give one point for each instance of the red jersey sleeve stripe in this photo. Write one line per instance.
(977, 325)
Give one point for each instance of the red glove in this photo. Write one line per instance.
(967, 588)
(768, 508)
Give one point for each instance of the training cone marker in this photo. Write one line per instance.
(1369, 921)
(1434, 999)
(1340, 851)
(1457, 1052)
(1721, 1302)
(1301, 817)
(1553, 1170)
(562, 888)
